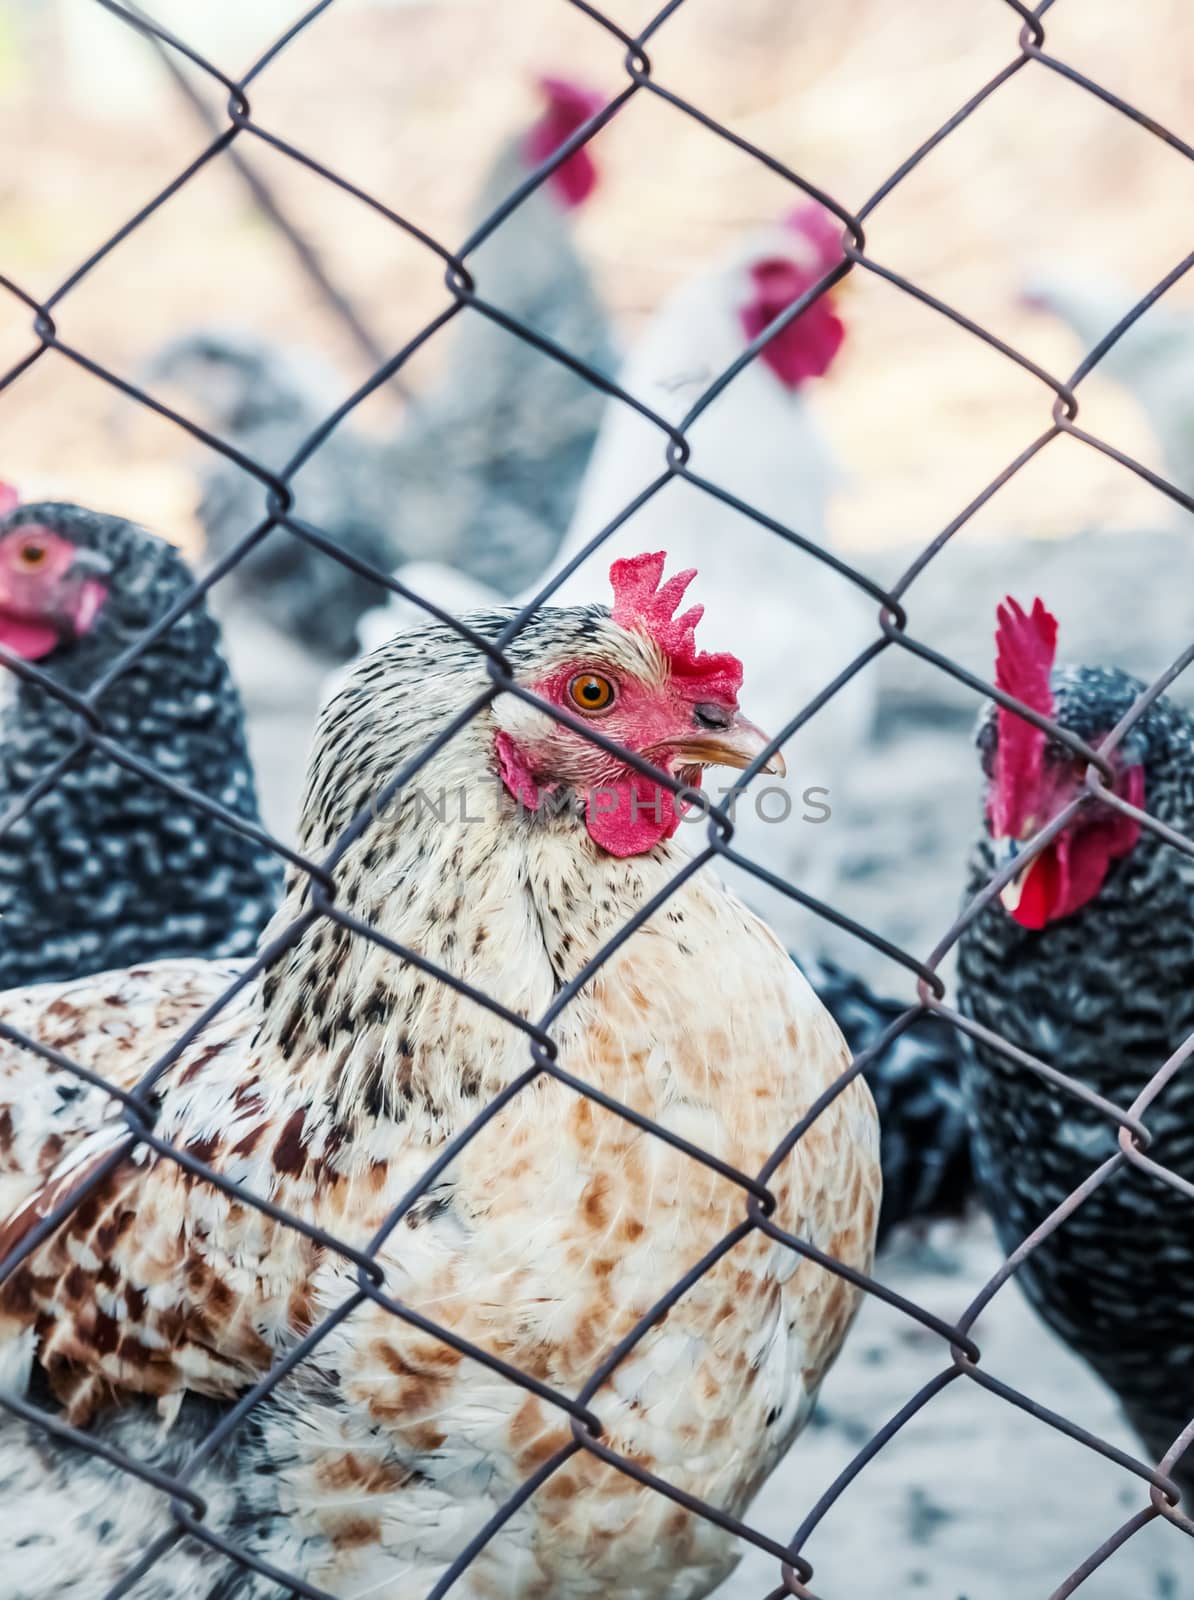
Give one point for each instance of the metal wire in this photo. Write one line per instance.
(282, 518)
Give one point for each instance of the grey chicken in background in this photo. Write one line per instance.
(1085, 961)
(265, 401)
(486, 469)
(106, 868)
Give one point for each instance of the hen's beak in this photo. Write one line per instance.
(736, 745)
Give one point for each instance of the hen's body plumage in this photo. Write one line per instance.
(107, 868)
(1105, 996)
(332, 1084)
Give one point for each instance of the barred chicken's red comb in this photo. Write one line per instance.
(1025, 646)
(642, 601)
(9, 498)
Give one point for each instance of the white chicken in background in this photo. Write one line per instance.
(800, 621)
(1153, 360)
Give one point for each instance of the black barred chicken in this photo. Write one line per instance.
(331, 1082)
(106, 868)
(1085, 962)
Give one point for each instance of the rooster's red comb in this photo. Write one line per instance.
(642, 601)
(9, 498)
(822, 230)
(569, 104)
(1025, 646)
(570, 98)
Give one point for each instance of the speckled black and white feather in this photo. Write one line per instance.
(924, 1132)
(107, 869)
(1106, 995)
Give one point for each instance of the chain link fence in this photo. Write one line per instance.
(894, 629)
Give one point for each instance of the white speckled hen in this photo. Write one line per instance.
(106, 868)
(333, 1083)
(1086, 962)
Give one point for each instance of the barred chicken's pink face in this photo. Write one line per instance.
(648, 690)
(50, 592)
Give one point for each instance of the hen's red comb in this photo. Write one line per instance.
(1025, 647)
(642, 601)
(9, 498)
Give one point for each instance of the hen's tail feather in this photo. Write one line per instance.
(924, 1131)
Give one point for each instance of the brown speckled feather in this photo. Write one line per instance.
(155, 1282)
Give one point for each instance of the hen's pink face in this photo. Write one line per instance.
(51, 591)
(1032, 781)
(807, 346)
(656, 695)
(569, 105)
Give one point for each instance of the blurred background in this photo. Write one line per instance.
(410, 101)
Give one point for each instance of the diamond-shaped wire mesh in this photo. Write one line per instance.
(894, 629)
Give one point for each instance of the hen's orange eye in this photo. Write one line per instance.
(31, 555)
(589, 691)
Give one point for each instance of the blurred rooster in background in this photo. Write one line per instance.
(799, 622)
(1085, 961)
(106, 868)
(331, 1082)
(486, 469)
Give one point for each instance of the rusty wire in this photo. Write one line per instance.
(281, 517)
